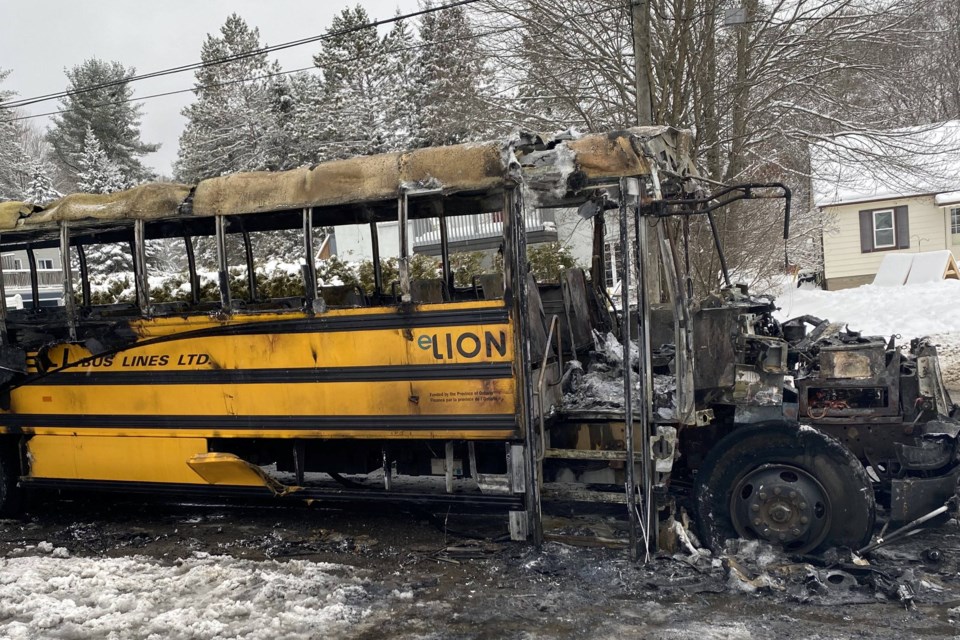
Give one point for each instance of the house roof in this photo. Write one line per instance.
(861, 167)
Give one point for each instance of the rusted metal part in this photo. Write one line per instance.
(906, 530)
(567, 492)
(926, 455)
(910, 498)
(589, 454)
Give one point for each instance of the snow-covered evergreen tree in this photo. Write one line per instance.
(12, 156)
(400, 87)
(97, 173)
(355, 69)
(452, 77)
(305, 123)
(40, 190)
(235, 123)
(107, 111)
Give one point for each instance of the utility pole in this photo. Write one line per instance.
(642, 515)
(642, 65)
(640, 15)
(739, 18)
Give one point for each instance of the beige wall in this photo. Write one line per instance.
(842, 260)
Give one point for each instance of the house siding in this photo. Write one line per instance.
(844, 264)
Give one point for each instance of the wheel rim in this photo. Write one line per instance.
(782, 504)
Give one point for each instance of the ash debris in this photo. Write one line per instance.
(601, 385)
(920, 571)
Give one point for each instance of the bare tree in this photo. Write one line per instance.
(794, 73)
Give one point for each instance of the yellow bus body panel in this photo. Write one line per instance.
(114, 458)
(442, 371)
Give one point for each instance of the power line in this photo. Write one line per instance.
(239, 56)
(267, 76)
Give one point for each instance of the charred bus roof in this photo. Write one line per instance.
(555, 171)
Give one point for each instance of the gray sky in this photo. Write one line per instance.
(39, 38)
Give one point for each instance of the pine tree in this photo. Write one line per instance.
(355, 68)
(400, 87)
(304, 123)
(40, 190)
(97, 173)
(12, 155)
(452, 78)
(235, 123)
(107, 111)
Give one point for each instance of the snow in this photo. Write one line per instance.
(894, 270)
(199, 597)
(911, 311)
(912, 268)
(948, 198)
(929, 266)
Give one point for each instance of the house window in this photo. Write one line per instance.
(45, 264)
(612, 264)
(955, 222)
(18, 264)
(884, 229)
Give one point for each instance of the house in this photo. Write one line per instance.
(16, 276)
(892, 192)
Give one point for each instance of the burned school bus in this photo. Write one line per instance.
(338, 393)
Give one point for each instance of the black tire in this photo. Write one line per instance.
(11, 496)
(789, 485)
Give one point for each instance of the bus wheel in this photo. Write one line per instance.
(11, 496)
(791, 486)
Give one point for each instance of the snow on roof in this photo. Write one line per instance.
(948, 198)
(859, 167)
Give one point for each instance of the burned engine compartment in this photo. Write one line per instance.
(885, 403)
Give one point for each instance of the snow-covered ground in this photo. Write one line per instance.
(201, 596)
(910, 311)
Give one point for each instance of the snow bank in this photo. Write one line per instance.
(200, 597)
(911, 311)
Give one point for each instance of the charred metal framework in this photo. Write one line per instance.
(427, 378)
(85, 368)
